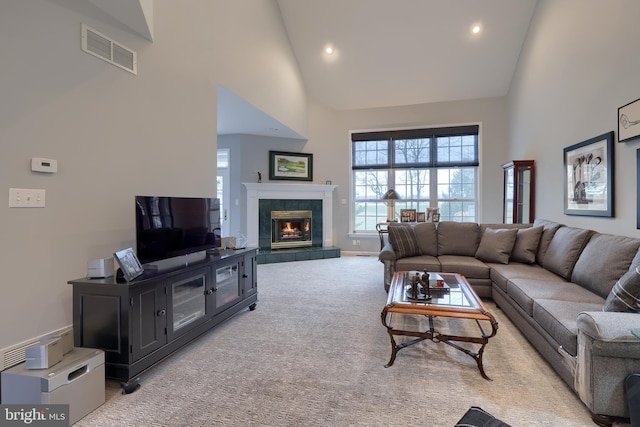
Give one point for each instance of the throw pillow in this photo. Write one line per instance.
(526, 246)
(403, 240)
(478, 417)
(496, 245)
(625, 294)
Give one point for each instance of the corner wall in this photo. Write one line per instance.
(116, 135)
(578, 66)
(329, 141)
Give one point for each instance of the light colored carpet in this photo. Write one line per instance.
(313, 354)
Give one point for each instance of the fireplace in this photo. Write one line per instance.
(290, 229)
(262, 198)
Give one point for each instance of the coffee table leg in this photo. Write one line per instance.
(394, 351)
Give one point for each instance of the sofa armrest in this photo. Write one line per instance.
(607, 353)
(611, 333)
(608, 325)
(387, 253)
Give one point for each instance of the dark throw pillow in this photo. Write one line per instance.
(403, 240)
(496, 245)
(526, 246)
(625, 294)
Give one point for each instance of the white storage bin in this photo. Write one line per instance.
(77, 380)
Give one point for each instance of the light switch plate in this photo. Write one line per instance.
(26, 198)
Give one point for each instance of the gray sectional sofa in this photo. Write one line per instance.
(572, 292)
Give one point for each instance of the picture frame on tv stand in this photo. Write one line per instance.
(129, 264)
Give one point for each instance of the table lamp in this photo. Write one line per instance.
(390, 197)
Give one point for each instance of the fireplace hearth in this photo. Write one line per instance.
(291, 229)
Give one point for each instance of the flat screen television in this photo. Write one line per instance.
(168, 227)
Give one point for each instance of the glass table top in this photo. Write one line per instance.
(455, 293)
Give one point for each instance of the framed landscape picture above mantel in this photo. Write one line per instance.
(290, 166)
(588, 177)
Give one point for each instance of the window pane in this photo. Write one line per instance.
(457, 194)
(456, 183)
(370, 184)
(412, 151)
(368, 214)
(456, 149)
(223, 158)
(370, 153)
(412, 183)
(458, 211)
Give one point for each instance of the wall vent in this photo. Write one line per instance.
(107, 49)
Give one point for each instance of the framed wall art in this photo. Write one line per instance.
(588, 177)
(629, 121)
(291, 166)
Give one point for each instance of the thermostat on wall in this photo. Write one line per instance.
(38, 164)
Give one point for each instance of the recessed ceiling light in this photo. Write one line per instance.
(328, 50)
(475, 29)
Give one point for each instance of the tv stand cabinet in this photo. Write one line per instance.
(140, 323)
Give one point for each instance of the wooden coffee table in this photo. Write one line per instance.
(460, 302)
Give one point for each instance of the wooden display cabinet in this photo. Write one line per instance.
(519, 192)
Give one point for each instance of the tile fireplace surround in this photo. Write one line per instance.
(261, 191)
(259, 194)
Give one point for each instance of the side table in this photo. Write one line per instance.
(382, 228)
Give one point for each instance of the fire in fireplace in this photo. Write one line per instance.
(290, 229)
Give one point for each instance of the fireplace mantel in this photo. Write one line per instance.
(258, 191)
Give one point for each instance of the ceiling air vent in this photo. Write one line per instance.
(105, 48)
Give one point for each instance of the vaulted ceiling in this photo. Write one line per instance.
(392, 53)
(404, 52)
(385, 52)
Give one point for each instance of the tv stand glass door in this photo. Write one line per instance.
(227, 288)
(188, 301)
(186, 305)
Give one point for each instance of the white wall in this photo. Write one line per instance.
(114, 134)
(580, 63)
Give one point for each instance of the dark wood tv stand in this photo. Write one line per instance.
(138, 324)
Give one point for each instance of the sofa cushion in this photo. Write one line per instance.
(496, 245)
(549, 229)
(525, 247)
(418, 263)
(558, 319)
(604, 260)
(403, 239)
(465, 265)
(458, 238)
(427, 237)
(564, 250)
(501, 273)
(625, 295)
(526, 291)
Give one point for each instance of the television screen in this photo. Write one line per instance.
(167, 227)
